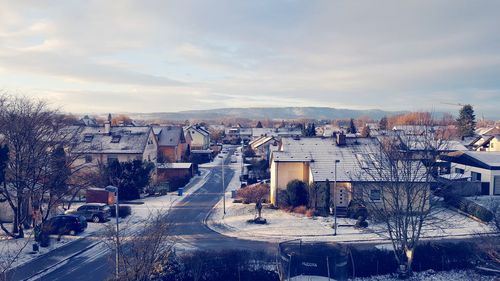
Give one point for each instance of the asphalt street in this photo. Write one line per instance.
(189, 231)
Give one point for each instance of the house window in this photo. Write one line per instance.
(116, 139)
(496, 185)
(491, 145)
(112, 158)
(459, 171)
(475, 176)
(88, 158)
(375, 194)
(88, 138)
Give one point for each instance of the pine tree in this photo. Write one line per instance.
(259, 125)
(466, 121)
(352, 128)
(383, 123)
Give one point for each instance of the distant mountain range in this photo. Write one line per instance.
(261, 113)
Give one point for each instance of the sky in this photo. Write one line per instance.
(101, 56)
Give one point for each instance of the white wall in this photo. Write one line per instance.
(486, 175)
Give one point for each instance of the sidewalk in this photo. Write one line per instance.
(45, 262)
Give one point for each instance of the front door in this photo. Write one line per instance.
(342, 196)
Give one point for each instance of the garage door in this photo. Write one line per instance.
(496, 186)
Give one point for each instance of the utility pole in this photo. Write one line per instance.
(223, 189)
(114, 189)
(334, 198)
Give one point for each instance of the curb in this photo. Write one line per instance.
(58, 262)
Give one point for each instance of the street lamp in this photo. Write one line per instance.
(334, 198)
(223, 189)
(114, 189)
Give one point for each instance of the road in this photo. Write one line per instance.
(188, 219)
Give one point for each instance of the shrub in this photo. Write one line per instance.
(297, 193)
(282, 198)
(310, 213)
(357, 209)
(300, 210)
(124, 211)
(470, 207)
(252, 194)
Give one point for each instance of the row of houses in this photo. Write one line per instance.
(313, 161)
(96, 144)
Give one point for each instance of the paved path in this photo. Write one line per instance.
(190, 231)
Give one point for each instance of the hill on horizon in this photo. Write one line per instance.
(273, 113)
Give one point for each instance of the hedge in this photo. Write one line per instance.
(470, 207)
(124, 211)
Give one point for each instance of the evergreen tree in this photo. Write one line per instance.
(259, 125)
(466, 121)
(383, 123)
(129, 177)
(60, 172)
(352, 128)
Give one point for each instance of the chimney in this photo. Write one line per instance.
(107, 125)
(341, 139)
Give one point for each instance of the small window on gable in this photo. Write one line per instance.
(116, 139)
(88, 138)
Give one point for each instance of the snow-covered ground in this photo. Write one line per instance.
(486, 201)
(284, 226)
(430, 275)
(21, 249)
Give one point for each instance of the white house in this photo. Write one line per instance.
(200, 137)
(479, 166)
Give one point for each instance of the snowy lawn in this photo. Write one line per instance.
(430, 275)
(282, 226)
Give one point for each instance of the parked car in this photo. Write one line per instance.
(220, 156)
(64, 224)
(95, 212)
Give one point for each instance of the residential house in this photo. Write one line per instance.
(263, 146)
(199, 137)
(102, 144)
(312, 160)
(172, 144)
(480, 166)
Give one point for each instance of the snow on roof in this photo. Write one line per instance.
(170, 135)
(357, 157)
(490, 158)
(454, 176)
(260, 141)
(174, 165)
(120, 140)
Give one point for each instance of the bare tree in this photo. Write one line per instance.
(396, 186)
(37, 177)
(142, 250)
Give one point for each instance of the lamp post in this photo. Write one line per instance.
(114, 189)
(334, 198)
(223, 189)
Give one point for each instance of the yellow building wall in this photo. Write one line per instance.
(284, 172)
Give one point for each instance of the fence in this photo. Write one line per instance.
(298, 259)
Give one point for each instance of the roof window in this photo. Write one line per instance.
(116, 139)
(88, 138)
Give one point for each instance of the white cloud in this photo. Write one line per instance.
(195, 54)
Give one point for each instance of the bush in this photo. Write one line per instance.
(470, 207)
(300, 210)
(252, 194)
(357, 209)
(124, 211)
(310, 213)
(297, 193)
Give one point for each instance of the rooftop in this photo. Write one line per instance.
(132, 140)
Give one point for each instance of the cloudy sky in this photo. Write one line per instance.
(150, 56)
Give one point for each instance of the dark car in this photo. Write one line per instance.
(64, 224)
(95, 212)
